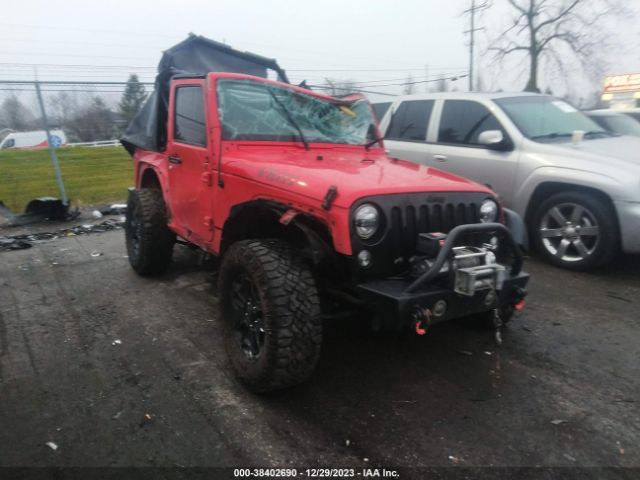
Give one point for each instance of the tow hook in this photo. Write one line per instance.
(419, 316)
(497, 324)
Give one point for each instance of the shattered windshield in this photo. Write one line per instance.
(251, 110)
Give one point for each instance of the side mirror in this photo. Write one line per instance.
(494, 140)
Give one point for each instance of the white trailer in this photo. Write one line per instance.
(33, 139)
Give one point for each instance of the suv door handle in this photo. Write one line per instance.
(440, 158)
(175, 159)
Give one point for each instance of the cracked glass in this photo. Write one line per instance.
(252, 110)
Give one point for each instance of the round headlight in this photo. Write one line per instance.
(488, 211)
(367, 220)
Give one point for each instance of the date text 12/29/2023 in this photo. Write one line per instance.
(315, 473)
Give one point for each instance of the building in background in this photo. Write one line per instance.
(621, 92)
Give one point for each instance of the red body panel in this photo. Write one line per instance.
(279, 171)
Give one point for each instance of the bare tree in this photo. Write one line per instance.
(339, 87)
(409, 86)
(93, 122)
(554, 29)
(441, 84)
(15, 115)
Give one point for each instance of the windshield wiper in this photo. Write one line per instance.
(291, 120)
(552, 136)
(370, 144)
(602, 133)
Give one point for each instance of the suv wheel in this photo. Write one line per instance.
(149, 240)
(271, 314)
(575, 230)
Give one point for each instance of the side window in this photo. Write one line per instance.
(189, 124)
(379, 109)
(9, 143)
(463, 120)
(409, 122)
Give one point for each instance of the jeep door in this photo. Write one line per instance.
(456, 147)
(406, 130)
(189, 157)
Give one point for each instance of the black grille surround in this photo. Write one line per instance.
(404, 216)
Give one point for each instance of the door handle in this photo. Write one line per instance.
(175, 159)
(440, 158)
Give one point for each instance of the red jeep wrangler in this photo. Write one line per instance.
(294, 192)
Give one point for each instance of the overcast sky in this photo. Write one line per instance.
(366, 41)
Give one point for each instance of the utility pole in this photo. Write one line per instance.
(52, 148)
(472, 14)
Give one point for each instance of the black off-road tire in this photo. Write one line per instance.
(149, 240)
(596, 208)
(287, 298)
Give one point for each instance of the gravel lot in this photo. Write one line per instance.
(122, 371)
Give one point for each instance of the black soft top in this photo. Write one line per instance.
(195, 56)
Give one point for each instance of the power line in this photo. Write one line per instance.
(452, 78)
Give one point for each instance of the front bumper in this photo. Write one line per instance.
(398, 301)
(629, 220)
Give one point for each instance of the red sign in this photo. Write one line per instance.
(628, 82)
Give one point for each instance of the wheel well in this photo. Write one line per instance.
(150, 179)
(544, 190)
(261, 219)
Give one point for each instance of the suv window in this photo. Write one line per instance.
(9, 143)
(189, 124)
(409, 122)
(379, 109)
(463, 120)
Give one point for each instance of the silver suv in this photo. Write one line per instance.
(576, 185)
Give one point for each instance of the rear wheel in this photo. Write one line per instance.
(149, 240)
(575, 230)
(271, 314)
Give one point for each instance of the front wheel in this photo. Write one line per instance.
(575, 230)
(271, 314)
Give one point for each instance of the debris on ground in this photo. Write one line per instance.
(117, 342)
(114, 209)
(116, 416)
(24, 241)
(558, 421)
(7, 243)
(347, 442)
(96, 254)
(96, 214)
(464, 352)
(52, 446)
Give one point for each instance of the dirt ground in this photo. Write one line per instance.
(121, 371)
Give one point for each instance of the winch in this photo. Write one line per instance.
(472, 268)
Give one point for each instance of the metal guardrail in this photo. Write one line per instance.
(101, 143)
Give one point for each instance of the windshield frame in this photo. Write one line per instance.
(590, 128)
(372, 133)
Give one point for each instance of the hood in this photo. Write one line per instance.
(355, 172)
(603, 153)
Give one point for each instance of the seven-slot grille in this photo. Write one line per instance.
(407, 215)
(406, 223)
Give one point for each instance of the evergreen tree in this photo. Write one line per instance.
(132, 99)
